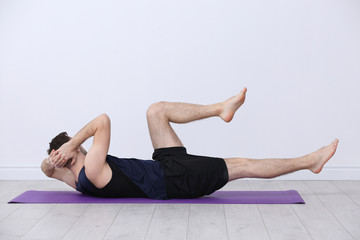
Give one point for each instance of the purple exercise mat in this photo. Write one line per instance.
(219, 197)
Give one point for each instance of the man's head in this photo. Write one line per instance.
(58, 141)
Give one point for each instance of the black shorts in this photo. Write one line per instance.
(190, 176)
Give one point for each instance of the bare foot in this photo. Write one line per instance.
(231, 105)
(318, 158)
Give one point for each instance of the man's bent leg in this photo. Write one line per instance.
(270, 168)
(159, 116)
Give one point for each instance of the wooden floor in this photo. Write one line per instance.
(332, 211)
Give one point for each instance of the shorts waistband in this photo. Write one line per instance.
(162, 151)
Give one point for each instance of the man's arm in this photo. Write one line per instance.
(99, 128)
(63, 174)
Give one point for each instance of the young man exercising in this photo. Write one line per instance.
(174, 173)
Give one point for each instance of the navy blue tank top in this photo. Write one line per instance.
(131, 178)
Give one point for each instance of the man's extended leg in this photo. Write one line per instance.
(269, 168)
(159, 116)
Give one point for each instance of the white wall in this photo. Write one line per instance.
(64, 62)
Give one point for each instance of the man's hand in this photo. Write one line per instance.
(49, 161)
(61, 156)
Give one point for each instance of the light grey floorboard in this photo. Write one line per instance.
(339, 204)
(94, 222)
(7, 186)
(350, 188)
(244, 221)
(280, 220)
(58, 186)
(13, 189)
(207, 221)
(22, 220)
(314, 215)
(170, 221)
(132, 222)
(9, 190)
(57, 222)
(7, 209)
(236, 185)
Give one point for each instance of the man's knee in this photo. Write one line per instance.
(156, 110)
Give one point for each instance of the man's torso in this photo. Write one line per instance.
(129, 178)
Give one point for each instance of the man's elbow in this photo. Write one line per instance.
(105, 119)
(48, 172)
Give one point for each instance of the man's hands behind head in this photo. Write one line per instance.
(60, 157)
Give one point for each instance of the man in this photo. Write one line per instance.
(174, 173)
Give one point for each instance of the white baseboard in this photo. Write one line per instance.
(328, 173)
(22, 173)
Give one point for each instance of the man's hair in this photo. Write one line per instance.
(58, 141)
